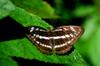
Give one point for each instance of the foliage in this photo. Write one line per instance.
(32, 12)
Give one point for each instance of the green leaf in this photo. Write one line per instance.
(37, 7)
(90, 26)
(6, 7)
(6, 61)
(93, 41)
(24, 48)
(94, 52)
(27, 19)
(89, 46)
(84, 11)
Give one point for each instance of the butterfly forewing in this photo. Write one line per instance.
(38, 37)
(69, 36)
(59, 40)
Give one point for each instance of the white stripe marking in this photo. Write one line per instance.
(56, 37)
(37, 29)
(45, 45)
(32, 28)
(34, 34)
(72, 29)
(61, 45)
(58, 30)
(75, 32)
(70, 41)
(37, 42)
(42, 30)
(65, 29)
(71, 35)
(37, 36)
(43, 37)
(67, 36)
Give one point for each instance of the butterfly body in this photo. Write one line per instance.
(59, 40)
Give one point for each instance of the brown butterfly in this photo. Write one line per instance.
(58, 41)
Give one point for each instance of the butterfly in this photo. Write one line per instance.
(59, 40)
